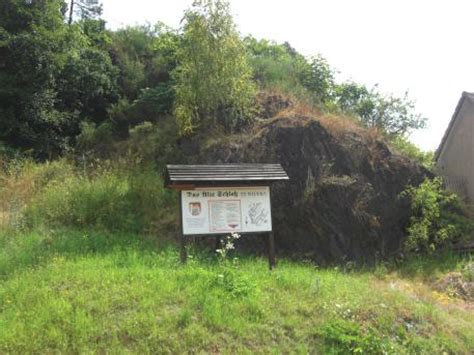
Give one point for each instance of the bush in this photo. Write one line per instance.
(437, 217)
(20, 181)
(213, 80)
(407, 148)
(111, 201)
(346, 337)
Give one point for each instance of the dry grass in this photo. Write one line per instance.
(21, 180)
(336, 123)
(17, 186)
(297, 114)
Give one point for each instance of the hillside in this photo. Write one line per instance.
(343, 198)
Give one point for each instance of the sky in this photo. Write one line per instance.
(424, 47)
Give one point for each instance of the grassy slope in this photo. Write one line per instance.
(78, 292)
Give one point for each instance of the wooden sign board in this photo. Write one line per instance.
(221, 210)
(220, 199)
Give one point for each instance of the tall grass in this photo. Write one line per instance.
(21, 180)
(59, 195)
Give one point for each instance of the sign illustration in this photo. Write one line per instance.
(195, 208)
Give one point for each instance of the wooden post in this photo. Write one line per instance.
(271, 251)
(218, 243)
(182, 237)
(183, 251)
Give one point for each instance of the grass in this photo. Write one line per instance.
(81, 291)
(106, 197)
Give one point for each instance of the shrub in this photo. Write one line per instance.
(214, 83)
(407, 148)
(95, 138)
(468, 272)
(21, 180)
(110, 200)
(235, 283)
(437, 217)
(346, 337)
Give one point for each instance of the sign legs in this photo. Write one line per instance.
(183, 251)
(271, 251)
(217, 244)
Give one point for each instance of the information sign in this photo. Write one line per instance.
(226, 210)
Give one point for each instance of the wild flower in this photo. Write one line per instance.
(227, 244)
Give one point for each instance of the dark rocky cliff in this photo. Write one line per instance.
(341, 202)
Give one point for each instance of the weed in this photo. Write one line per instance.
(437, 219)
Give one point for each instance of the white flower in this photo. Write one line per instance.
(235, 235)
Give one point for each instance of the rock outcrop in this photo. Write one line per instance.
(342, 201)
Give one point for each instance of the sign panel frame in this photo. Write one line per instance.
(220, 210)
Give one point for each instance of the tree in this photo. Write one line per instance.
(85, 9)
(318, 78)
(146, 56)
(31, 43)
(276, 66)
(213, 79)
(391, 114)
(17, 16)
(87, 84)
(52, 77)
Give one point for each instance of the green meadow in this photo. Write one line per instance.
(73, 291)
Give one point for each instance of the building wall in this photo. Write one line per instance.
(455, 162)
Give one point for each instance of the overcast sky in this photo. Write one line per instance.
(422, 46)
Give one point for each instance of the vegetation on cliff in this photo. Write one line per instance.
(59, 79)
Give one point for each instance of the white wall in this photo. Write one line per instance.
(455, 162)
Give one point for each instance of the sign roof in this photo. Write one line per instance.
(188, 174)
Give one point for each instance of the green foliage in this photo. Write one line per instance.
(319, 79)
(345, 337)
(53, 76)
(437, 218)
(85, 291)
(96, 33)
(468, 271)
(19, 15)
(431, 266)
(277, 66)
(84, 9)
(145, 56)
(94, 194)
(392, 115)
(152, 105)
(95, 138)
(156, 144)
(109, 201)
(407, 148)
(7, 152)
(281, 67)
(235, 283)
(213, 79)
(87, 85)
(27, 95)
